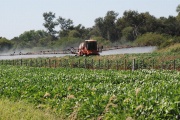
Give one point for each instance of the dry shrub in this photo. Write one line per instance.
(73, 115)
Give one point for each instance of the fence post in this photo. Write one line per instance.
(99, 63)
(37, 63)
(21, 62)
(60, 63)
(41, 63)
(55, 63)
(50, 63)
(79, 63)
(133, 65)
(162, 65)
(153, 63)
(174, 64)
(137, 64)
(30, 64)
(67, 63)
(117, 65)
(45, 63)
(85, 63)
(92, 62)
(143, 64)
(25, 62)
(125, 62)
(107, 64)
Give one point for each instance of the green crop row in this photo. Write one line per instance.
(95, 94)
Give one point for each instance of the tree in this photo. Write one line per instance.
(93, 32)
(99, 25)
(127, 33)
(172, 27)
(168, 26)
(110, 22)
(30, 39)
(107, 25)
(178, 16)
(178, 8)
(65, 26)
(82, 31)
(149, 23)
(120, 25)
(135, 20)
(5, 44)
(74, 33)
(49, 23)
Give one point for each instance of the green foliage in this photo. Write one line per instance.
(74, 33)
(67, 42)
(127, 33)
(50, 24)
(30, 39)
(170, 41)
(94, 32)
(106, 26)
(101, 41)
(150, 39)
(5, 44)
(94, 94)
(131, 17)
(178, 8)
(65, 24)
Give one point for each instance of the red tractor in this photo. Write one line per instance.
(89, 47)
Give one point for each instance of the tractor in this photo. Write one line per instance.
(88, 47)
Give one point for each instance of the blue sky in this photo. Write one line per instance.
(18, 16)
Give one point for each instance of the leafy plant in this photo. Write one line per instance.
(91, 94)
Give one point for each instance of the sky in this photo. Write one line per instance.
(18, 16)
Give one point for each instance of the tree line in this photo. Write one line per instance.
(132, 27)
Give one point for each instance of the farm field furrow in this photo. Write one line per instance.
(78, 93)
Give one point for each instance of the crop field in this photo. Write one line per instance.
(77, 93)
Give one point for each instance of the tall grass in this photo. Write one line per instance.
(21, 110)
(171, 49)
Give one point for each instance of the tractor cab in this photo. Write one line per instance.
(88, 47)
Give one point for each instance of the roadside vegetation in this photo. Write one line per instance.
(171, 49)
(21, 110)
